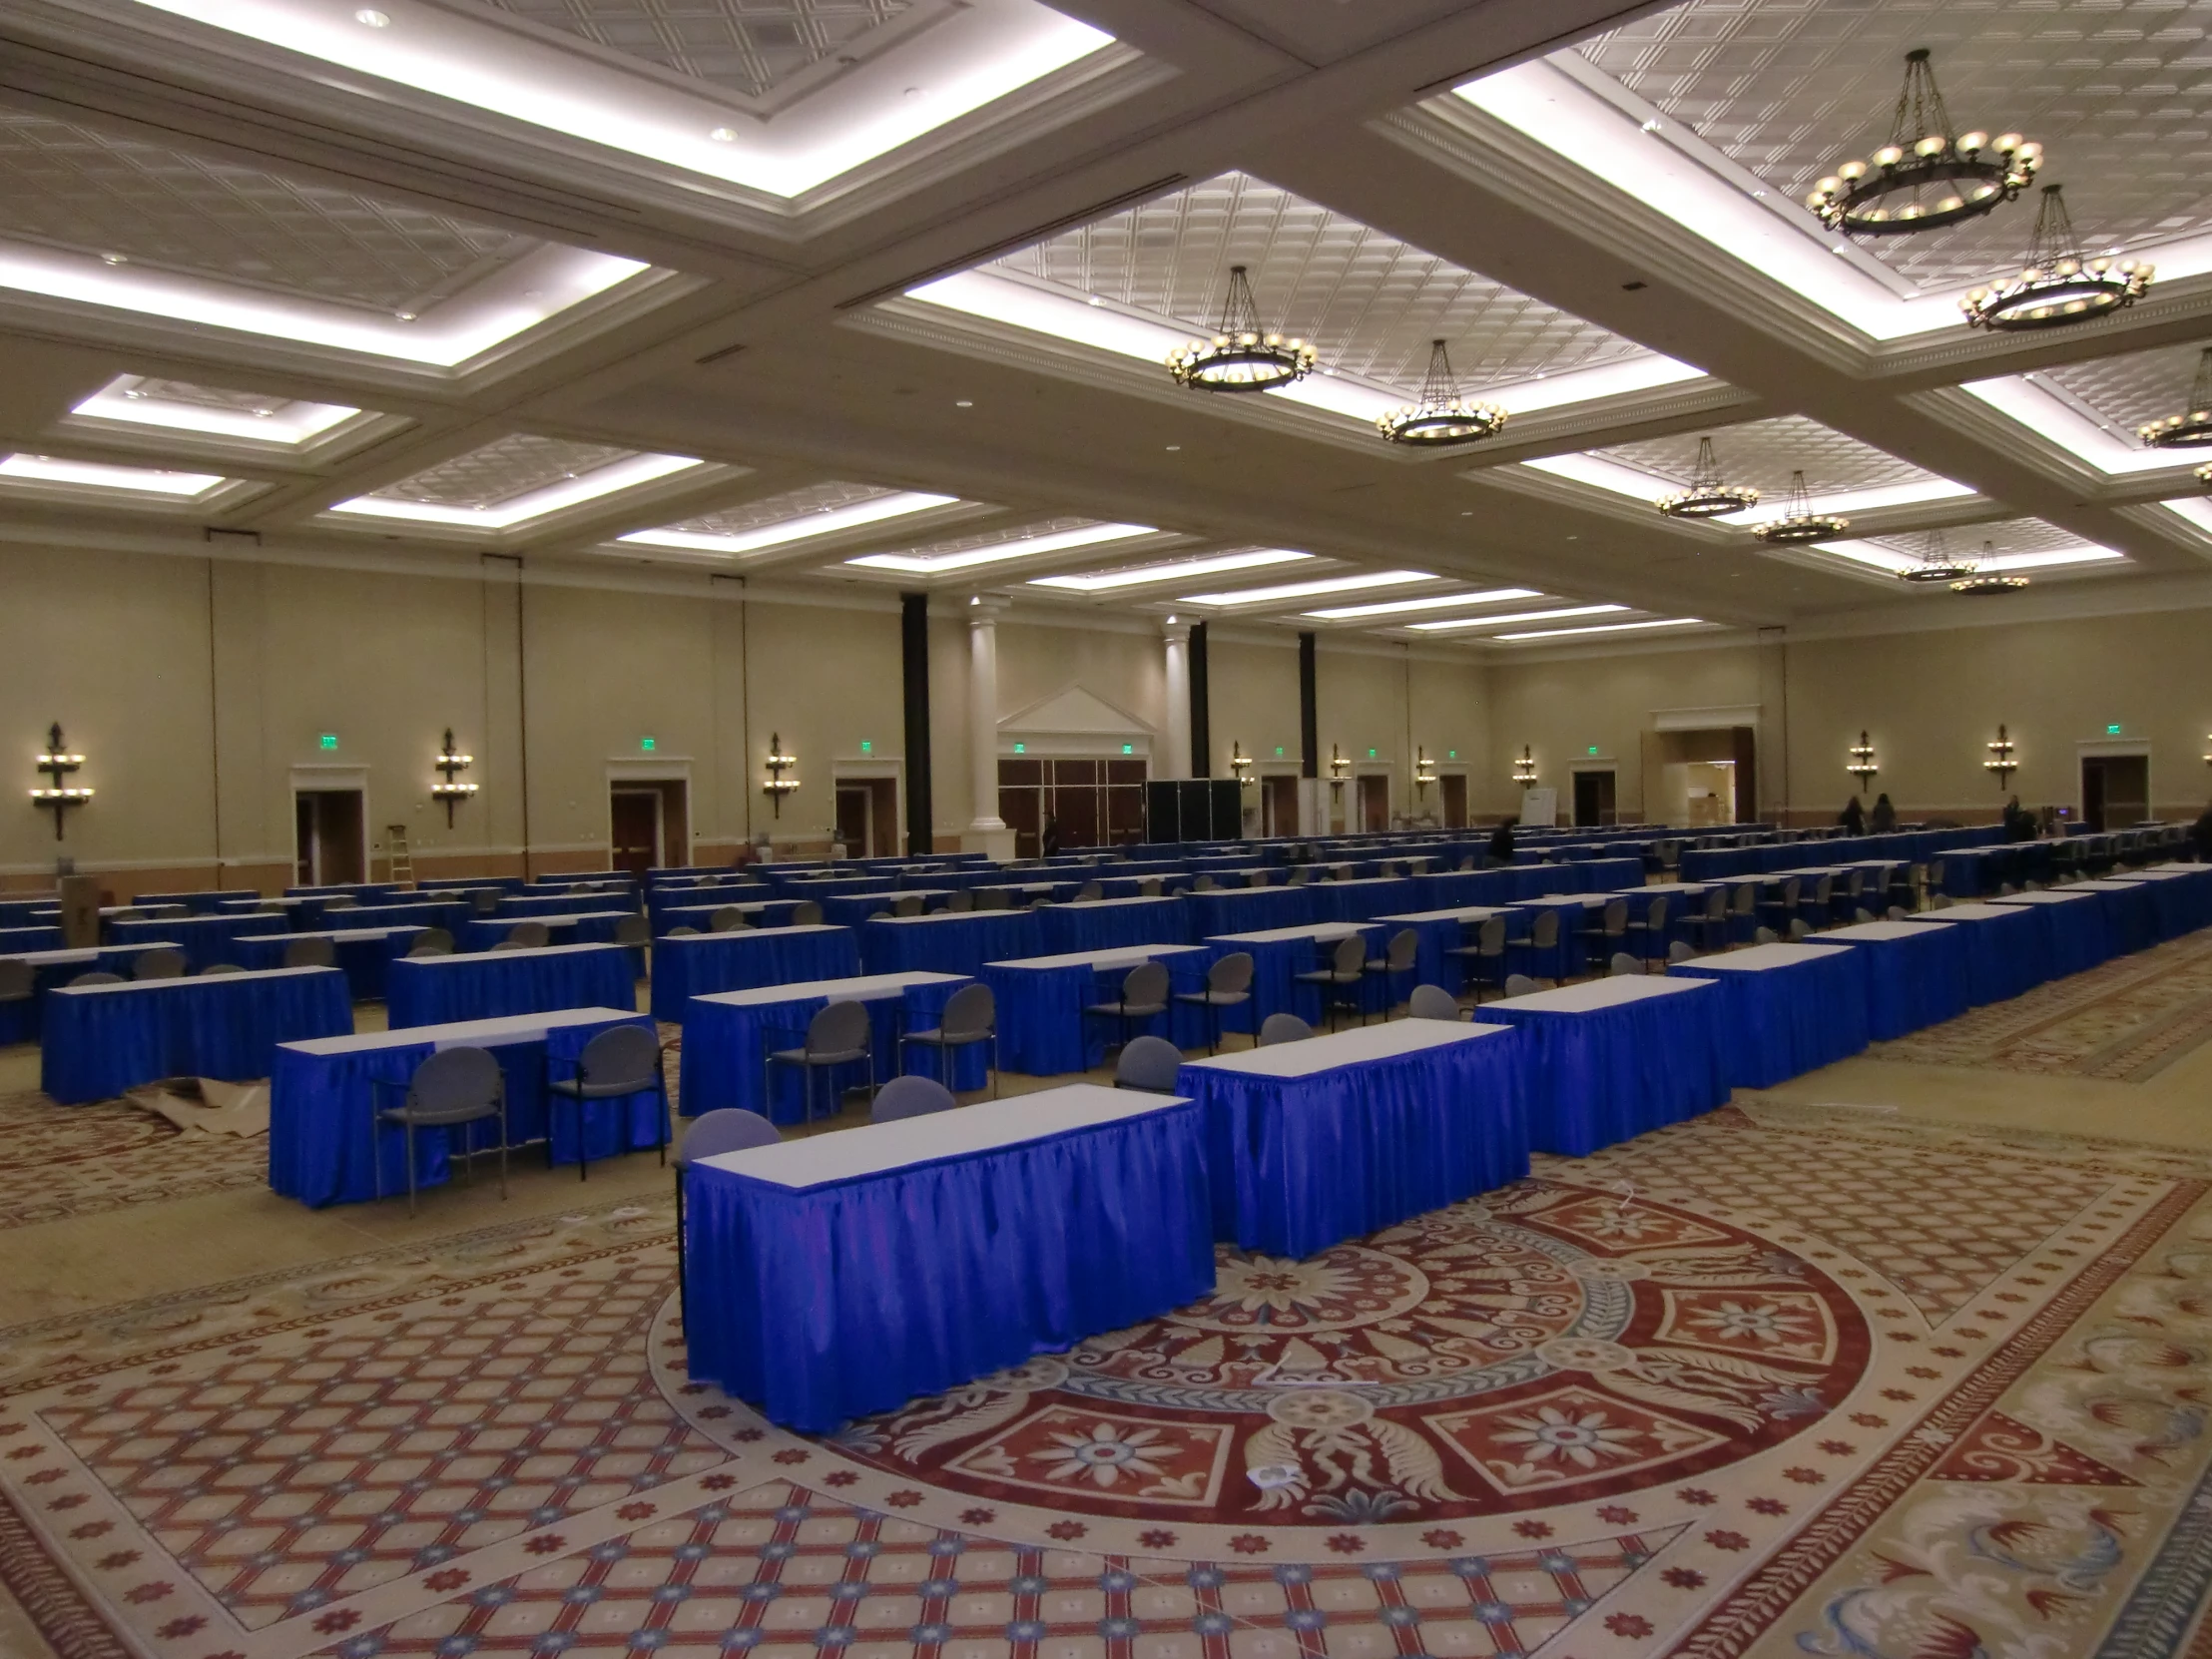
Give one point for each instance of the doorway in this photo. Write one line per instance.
(1451, 787)
(1593, 800)
(867, 816)
(2115, 791)
(328, 846)
(648, 826)
(1374, 802)
(1279, 804)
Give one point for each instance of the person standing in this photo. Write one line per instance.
(2201, 833)
(1049, 840)
(1852, 817)
(1501, 841)
(1884, 817)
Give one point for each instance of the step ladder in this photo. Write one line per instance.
(402, 856)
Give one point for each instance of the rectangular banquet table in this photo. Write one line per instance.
(1252, 910)
(758, 912)
(102, 1039)
(728, 1036)
(1791, 1008)
(1917, 974)
(1362, 900)
(1443, 931)
(854, 909)
(203, 939)
(2130, 910)
(1311, 1143)
(1041, 1026)
(949, 942)
(13, 941)
(1279, 955)
(2182, 893)
(363, 953)
(1105, 923)
(324, 1144)
(702, 963)
(1611, 1058)
(840, 1275)
(2077, 931)
(436, 990)
(20, 1021)
(2006, 950)
(585, 927)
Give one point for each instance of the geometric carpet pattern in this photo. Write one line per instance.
(1991, 1439)
(84, 1160)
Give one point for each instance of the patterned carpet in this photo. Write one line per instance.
(82, 1160)
(1779, 1381)
(2125, 1021)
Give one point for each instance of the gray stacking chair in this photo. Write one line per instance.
(454, 1087)
(529, 936)
(98, 977)
(1608, 937)
(1398, 957)
(620, 1062)
(1149, 1064)
(806, 913)
(970, 1016)
(1348, 967)
(726, 1129)
(219, 968)
(18, 982)
(310, 952)
(838, 1036)
(728, 920)
(906, 905)
(159, 964)
(960, 903)
(1090, 892)
(1519, 984)
(1623, 962)
(910, 1097)
(1283, 1028)
(633, 930)
(1484, 961)
(1144, 993)
(1431, 1002)
(1228, 984)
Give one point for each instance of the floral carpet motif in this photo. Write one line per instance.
(83, 1160)
(1647, 1403)
(2125, 1021)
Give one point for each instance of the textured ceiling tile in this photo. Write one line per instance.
(999, 538)
(1370, 302)
(206, 397)
(498, 473)
(1762, 454)
(2126, 393)
(70, 186)
(743, 46)
(2011, 535)
(2115, 91)
(775, 509)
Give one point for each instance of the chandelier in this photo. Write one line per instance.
(1983, 580)
(2203, 475)
(2192, 428)
(1707, 496)
(1441, 418)
(1799, 523)
(2058, 286)
(1925, 157)
(1936, 564)
(1242, 356)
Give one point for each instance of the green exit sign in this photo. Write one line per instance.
(866, 747)
(1129, 749)
(1278, 751)
(1452, 753)
(1021, 748)
(649, 744)
(2113, 730)
(1371, 754)
(1593, 749)
(328, 740)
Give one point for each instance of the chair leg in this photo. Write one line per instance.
(411, 1169)
(583, 1151)
(502, 1142)
(683, 1288)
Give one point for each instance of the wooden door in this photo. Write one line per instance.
(1374, 803)
(853, 815)
(327, 830)
(2115, 791)
(1452, 786)
(634, 819)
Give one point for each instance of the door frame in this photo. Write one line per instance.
(1465, 774)
(658, 772)
(1359, 773)
(870, 768)
(1594, 764)
(2111, 748)
(326, 776)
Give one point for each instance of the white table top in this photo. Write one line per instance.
(747, 905)
(501, 955)
(1361, 1044)
(208, 919)
(1593, 995)
(1977, 912)
(568, 919)
(934, 917)
(751, 933)
(1463, 912)
(2102, 883)
(867, 987)
(183, 979)
(339, 935)
(461, 1033)
(965, 1132)
(1662, 887)
(1128, 955)
(1879, 930)
(1321, 932)
(1764, 958)
(2049, 895)
(1111, 903)
(83, 953)
(1585, 901)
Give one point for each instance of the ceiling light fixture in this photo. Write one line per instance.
(1936, 564)
(799, 527)
(1799, 523)
(1708, 496)
(1436, 602)
(1242, 356)
(1883, 196)
(1309, 590)
(1442, 418)
(1984, 579)
(2192, 428)
(1608, 628)
(1105, 581)
(921, 563)
(2057, 286)
(1464, 622)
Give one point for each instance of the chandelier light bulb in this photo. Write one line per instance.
(1929, 174)
(1242, 356)
(1442, 418)
(1799, 523)
(1707, 495)
(2057, 286)
(2192, 427)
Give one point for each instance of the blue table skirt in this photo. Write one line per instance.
(773, 913)
(363, 961)
(1784, 1022)
(1253, 911)
(439, 990)
(589, 928)
(1913, 983)
(832, 1302)
(98, 1044)
(726, 1048)
(1297, 1164)
(2131, 912)
(1042, 1030)
(316, 917)
(13, 941)
(954, 945)
(1598, 1078)
(1364, 901)
(20, 1021)
(203, 939)
(2077, 935)
(1276, 963)
(1433, 964)
(745, 961)
(24, 912)
(2183, 903)
(2004, 955)
(323, 1134)
(1064, 929)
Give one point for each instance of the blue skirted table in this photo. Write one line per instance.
(518, 907)
(314, 916)
(1042, 1030)
(704, 964)
(2078, 931)
(1443, 931)
(2005, 947)
(2130, 911)
(203, 939)
(102, 1039)
(437, 990)
(1106, 924)
(326, 1145)
(2181, 895)
(840, 1275)
(1362, 900)
(758, 912)
(1279, 955)
(856, 909)
(20, 1021)
(363, 954)
(1917, 974)
(950, 942)
(1611, 1058)
(204, 902)
(1312, 1143)
(34, 912)
(1790, 1008)
(729, 1036)
(15, 941)
(1252, 910)
(585, 927)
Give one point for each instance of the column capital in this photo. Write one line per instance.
(1174, 629)
(988, 607)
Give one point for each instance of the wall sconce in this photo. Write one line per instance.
(450, 789)
(1240, 765)
(1339, 770)
(2208, 757)
(1525, 768)
(1425, 772)
(778, 762)
(2000, 759)
(1862, 765)
(57, 766)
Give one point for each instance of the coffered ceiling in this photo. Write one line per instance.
(859, 297)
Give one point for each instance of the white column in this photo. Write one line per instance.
(986, 830)
(1175, 746)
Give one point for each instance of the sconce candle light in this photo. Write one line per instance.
(1425, 772)
(1862, 765)
(2000, 759)
(1240, 765)
(778, 762)
(450, 789)
(1340, 767)
(56, 765)
(1525, 768)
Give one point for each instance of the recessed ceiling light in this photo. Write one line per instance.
(1173, 448)
(964, 403)
(627, 473)
(828, 521)
(1096, 301)
(1458, 624)
(113, 258)
(370, 18)
(1181, 570)
(934, 564)
(286, 423)
(1436, 602)
(724, 135)
(1608, 628)
(1310, 590)
(98, 475)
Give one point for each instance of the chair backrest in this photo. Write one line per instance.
(1350, 954)
(1790, 890)
(168, 912)
(17, 979)
(1745, 895)
(159, 964)
(514, 944)
(1468, 862)
(1148, 886)
(633, 930)
(909, 1097)
(906, 905)
(993, 899)
(441, 939)
(1090, 892)
(1546, 933)
(1616, 917)
(728, 920)
(530, 935)
(429, 948)
(1404, 947)
(1856, 886)
(581, 887)
(483, 902)
(1145, 986)
(1431, 1002)
(1936, 872)
(1258, 878)
(1489, 938)
(1898, 913)
(1150, 1064)
(960, 903)
(220, 967)
(1680, 952)
(310, 953)
(1624, 963)
(806, 913)
(1205, 883)
(1519, 984)
(1765, 935)
(725, 1129)
(686, 931)
(343, 902)
(1283, 1028)
(840, 1028)
(1716, 904)
(1343, 873)
(98, 977)
(1655, 917)
(1824, 889)
(621, 1054)
(969, 1012)
(456, 1083)
(1302, 877)
(1860, 915)
(1799, 928)
(1231, 972)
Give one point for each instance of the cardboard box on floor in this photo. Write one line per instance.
(80, 897)
(207, 1104)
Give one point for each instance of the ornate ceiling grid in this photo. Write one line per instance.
(1763, 453)
(498, 473)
